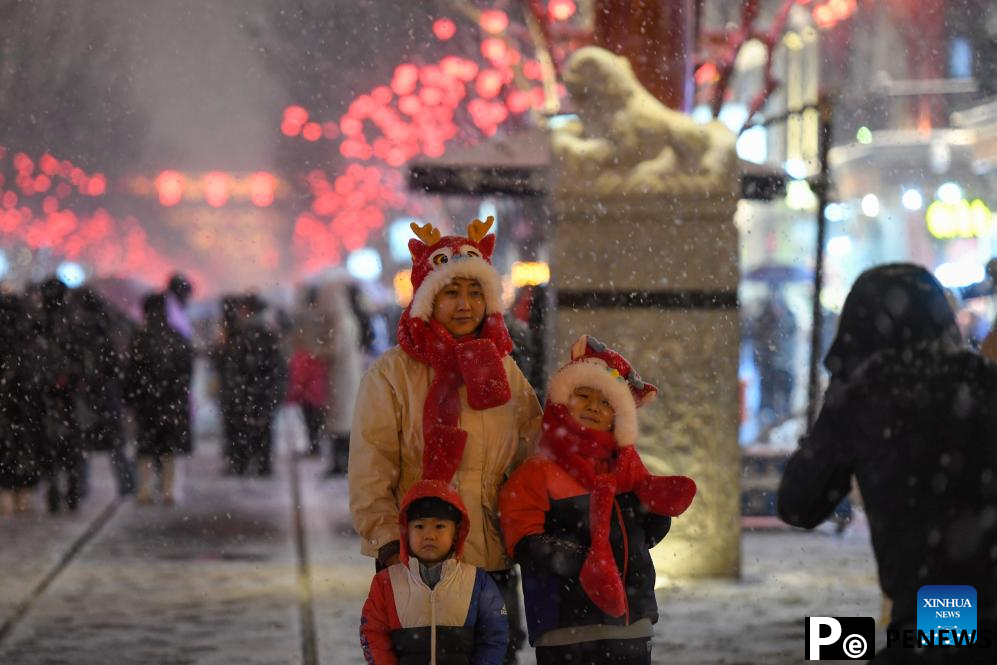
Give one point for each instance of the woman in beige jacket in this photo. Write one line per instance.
(449, 392)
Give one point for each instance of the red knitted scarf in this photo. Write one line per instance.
(475, 362)
(600, 466)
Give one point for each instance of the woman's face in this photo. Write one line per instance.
(591, 408)
(460, 306)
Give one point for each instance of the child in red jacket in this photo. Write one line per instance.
(308, 387)
(581, 517)
(431, 607)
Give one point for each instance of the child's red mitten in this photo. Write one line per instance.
(600, 578)
(666, 495)
(484, 374)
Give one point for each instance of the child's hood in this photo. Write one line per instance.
(440, 490)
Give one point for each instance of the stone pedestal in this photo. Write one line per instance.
(655, 277)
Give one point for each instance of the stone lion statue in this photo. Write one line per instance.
(626, 141)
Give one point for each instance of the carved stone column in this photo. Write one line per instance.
(651, 268)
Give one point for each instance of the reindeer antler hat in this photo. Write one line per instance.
(474, 361)
(437, 259)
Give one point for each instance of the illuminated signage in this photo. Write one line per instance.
(959, 219)
(530, 273)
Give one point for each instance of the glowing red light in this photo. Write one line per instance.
(261, 188)
(50, 205)
(493, 21)
(330, 130)
(824, 16)
(48, 164)
(405, 79)
(489, 83)
(42, 183)
(351, 126)
(518, 101)
(9, 200)
(381, 95)
(431, 96)
(841, 9)
(444, 29)
(290, 128)
(169, 185)
(561, 10)
(409, 105)
(706, 74)
(23, 164)
(215, 189)
(312, 131)
(295, 115)
(97, 185)
(494, 49)
(532, 70)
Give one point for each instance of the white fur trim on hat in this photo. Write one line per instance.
(594, 373)
(471, 268)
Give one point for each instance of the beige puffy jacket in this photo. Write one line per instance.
(386, 446)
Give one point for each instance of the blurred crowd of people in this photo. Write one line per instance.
(80, 377)
(71, 366)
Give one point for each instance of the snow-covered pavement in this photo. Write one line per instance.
(234, 574)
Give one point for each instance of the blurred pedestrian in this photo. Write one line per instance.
(98, 398)
(337, 342)
(178, 292)
(775, 351)
(60, 369)
(912, 416)
(308, 388)
(253, 384)
(158, 377)
(21, 408)
(449, 399)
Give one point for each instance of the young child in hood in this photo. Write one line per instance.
(431, 607)
(581, 517)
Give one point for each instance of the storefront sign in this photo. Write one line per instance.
(962, 219)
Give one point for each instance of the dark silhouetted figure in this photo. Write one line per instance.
(21, 408)
(99, 396)
(60, 369)
(912, 416)
(775, 352)
(253, 377)
(161, 363)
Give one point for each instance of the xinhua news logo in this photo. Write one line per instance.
(946, 612)
(840, 638)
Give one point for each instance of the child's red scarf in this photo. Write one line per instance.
(600, 466)
(473, 361)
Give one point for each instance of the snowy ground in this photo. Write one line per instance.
(219, 579)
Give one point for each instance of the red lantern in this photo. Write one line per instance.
(169, 185)
(493, 21)
(261, 189)
(444, 29)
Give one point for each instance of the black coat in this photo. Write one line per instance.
(21, 408)
(914, 421)
(161, 363)
(253, 375)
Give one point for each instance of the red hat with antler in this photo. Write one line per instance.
(595, 365)
(438, 259)
(474, 361)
